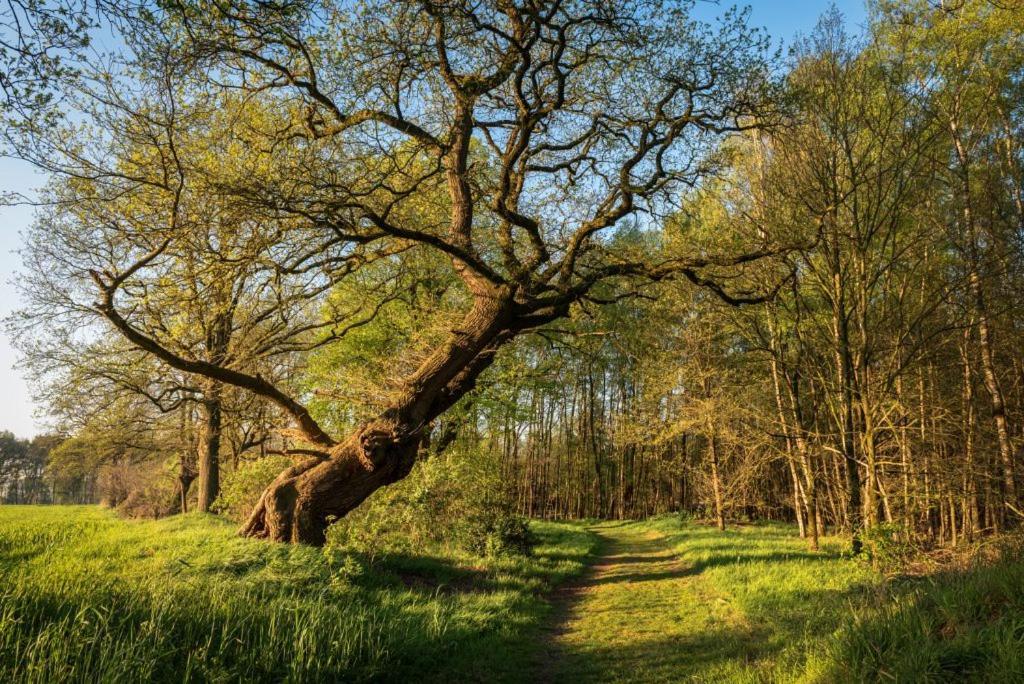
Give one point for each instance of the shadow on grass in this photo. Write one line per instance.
(431, 575)
(662, 660)
(641, 562)
(746, 641)
(751, 651)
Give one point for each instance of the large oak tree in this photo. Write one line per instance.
(516, 139)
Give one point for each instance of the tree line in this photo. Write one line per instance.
(881, 383)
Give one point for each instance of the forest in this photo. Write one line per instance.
(515, 340)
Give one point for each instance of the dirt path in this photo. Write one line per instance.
(640, 614)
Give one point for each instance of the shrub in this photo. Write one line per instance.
(887, 546)
(486, 521)
(502, 534)
(142, 490)
(241, 488)
(456, 500)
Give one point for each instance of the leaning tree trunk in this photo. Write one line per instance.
(716, 482)
(299, 505)
(304, 499)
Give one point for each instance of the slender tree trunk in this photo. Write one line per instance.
(968, 488)
(871, 484)
(794, 446)
(981, 315)
(716, 483)
(803, 452)
(209, 450)
(844, 373)
(798, 500)
(186, 475)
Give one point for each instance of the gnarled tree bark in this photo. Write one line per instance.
(303, 500)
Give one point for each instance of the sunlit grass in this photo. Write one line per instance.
(790, 599)
(964, 626)
(685, 602)
(676, 602)
(87, 597)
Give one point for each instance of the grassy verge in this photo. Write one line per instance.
(962, 626)
(87, 597)
(827, 617)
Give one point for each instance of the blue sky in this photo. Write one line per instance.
(17, 413)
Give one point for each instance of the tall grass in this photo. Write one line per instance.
(86, 597)
(962, 626)
(829, 617)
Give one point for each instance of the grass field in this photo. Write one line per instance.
(87, 597)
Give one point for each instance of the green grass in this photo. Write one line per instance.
(789, 600)
(953, 627)
(683, 602)
(673, 602)
(87, 597)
